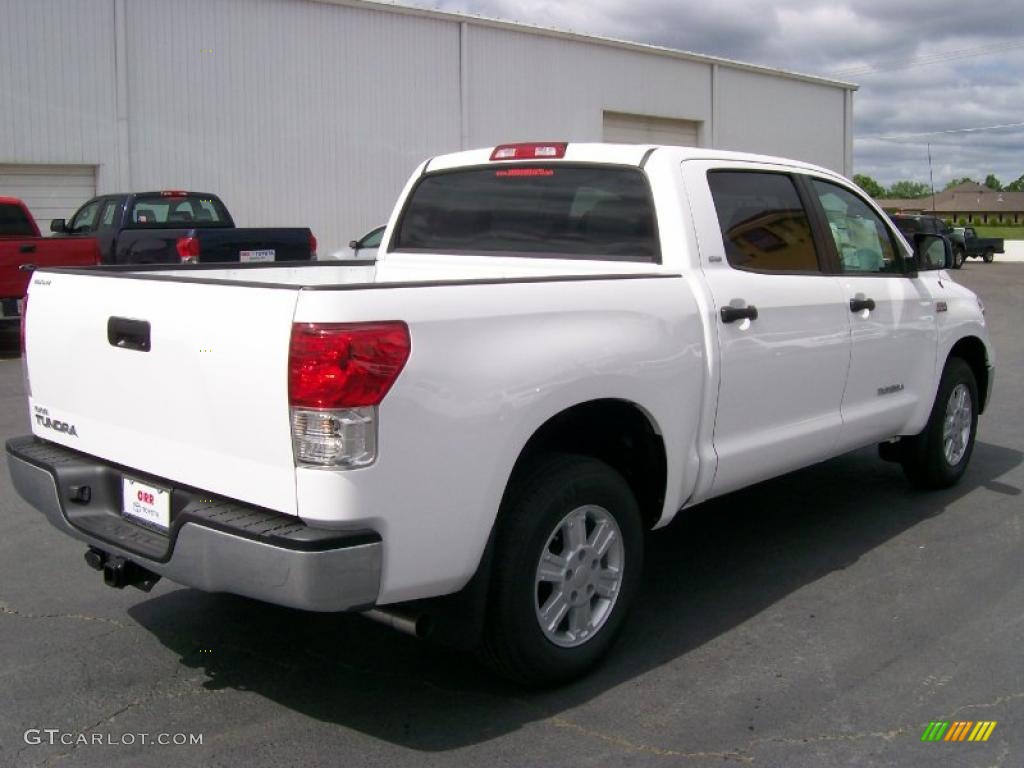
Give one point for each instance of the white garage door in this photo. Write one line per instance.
(645, 129)
(49, 191)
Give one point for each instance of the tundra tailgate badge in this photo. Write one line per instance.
(43, 419)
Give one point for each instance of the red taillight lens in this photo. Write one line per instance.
(535, 151)
(188, 249)
(312, 245)
(345, 365)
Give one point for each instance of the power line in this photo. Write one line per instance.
(928, 59)
(975, 129)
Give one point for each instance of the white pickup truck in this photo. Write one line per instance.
(559, 347)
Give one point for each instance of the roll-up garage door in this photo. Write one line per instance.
(645, 129)
(49, 191)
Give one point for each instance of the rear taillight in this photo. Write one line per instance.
(21, 329)
(312, 245)
(337, 376)
(21, 343)
(188, 249)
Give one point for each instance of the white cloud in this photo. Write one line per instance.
(826, 37)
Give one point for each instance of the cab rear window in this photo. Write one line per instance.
(13, 221)
(179, 210)
(554, 211)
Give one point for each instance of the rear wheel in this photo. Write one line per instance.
(569, 552)
(938, 457)
(989, 256)
(958, 258)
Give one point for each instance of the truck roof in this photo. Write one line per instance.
(159, 193)
(612, 154)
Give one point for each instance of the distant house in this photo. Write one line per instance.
(969, 202)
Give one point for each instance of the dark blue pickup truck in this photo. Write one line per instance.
(177, 227)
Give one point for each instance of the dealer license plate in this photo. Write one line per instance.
(146, 503)
(247, 256)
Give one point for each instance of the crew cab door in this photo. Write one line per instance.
(891, 312)
(782, 371)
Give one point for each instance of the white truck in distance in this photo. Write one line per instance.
(559, 347)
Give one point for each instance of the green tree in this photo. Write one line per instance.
(993, 183)
(869, 185)
(1016, 186)
(958, 182)
(909, 190)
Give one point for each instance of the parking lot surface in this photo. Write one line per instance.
(821, 619)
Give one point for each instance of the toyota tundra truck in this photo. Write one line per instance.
(558, 348)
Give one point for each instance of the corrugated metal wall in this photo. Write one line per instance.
(524, 86)
(300, 112)
(759, 113)
(294, 112)
(57, 82)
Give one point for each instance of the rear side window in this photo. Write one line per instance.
(558, 211)
(178, 211)
(13, 221)
(764, 225)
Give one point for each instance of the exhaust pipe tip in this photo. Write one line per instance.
(416, 625)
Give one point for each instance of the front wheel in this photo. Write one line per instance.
(569, 552)
(989, 256)
(938, 457)
(958, 258)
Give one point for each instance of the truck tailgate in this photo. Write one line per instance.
(206, 405)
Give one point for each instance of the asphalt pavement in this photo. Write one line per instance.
(820, 619)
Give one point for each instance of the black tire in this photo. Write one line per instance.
(537, 501)
(958, 258)
(924, 456)
(989, 256)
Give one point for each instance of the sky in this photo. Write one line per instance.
(923, 66)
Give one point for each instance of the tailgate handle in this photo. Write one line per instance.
(124, 333)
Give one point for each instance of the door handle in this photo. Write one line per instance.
(731, 314)
(125, 333)
(27, 248)
(858, 305)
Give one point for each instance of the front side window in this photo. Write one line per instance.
(862, 240)
(85, 219)
(556, 211)
(372, 240)
(765, 227)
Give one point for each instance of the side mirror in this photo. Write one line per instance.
(353, 244)
(932, 252)
(58, 225)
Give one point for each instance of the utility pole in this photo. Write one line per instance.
(931, 177)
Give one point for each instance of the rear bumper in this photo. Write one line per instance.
(214, 544)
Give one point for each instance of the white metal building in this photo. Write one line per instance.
(314, 112)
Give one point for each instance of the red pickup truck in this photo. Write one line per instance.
(21, 244)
